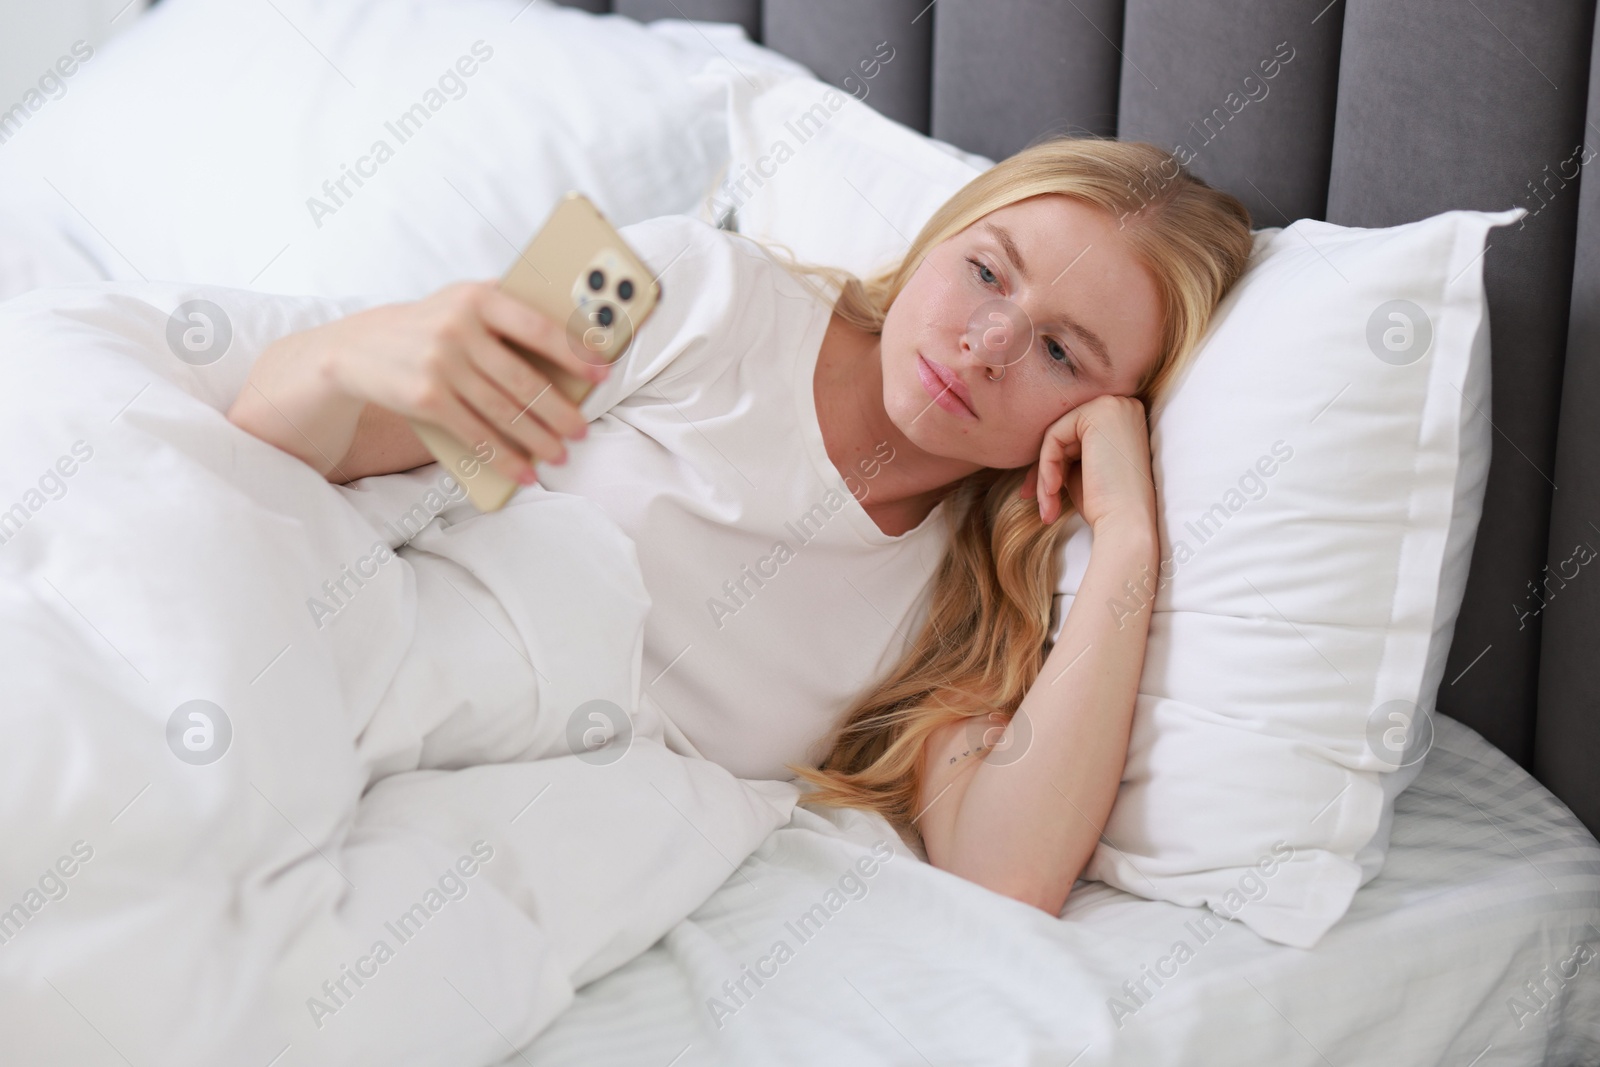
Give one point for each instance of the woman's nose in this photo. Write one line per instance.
(999, 332)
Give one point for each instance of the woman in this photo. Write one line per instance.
(886, 654)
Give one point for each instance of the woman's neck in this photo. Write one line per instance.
(858, 434)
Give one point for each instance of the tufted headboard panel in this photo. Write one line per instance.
(1363, 113)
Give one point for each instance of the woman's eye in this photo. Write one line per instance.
(1058, 354)
(985, 275)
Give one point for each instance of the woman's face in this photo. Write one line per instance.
(1044, 289)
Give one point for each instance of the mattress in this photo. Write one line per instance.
(1475, 945)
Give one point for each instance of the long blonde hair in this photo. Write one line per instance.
(982, 644)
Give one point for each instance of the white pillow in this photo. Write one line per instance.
(1320, 467)
(1361, 540)
(193, 146)
(817, 170)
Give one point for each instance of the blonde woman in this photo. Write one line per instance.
(846, 496)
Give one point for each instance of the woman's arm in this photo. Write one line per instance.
(340, 396)
(1020, 808)
(1025, 823)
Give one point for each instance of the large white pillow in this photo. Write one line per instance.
(196, 145)
(1295, 656)
(1320, 468)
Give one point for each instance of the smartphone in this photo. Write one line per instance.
(577, 270)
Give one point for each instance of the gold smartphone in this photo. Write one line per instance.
(577, 270)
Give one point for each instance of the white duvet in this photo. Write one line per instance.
(273, 790)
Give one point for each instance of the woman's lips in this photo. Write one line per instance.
(944, 395)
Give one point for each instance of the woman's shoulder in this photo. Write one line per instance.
(715, 262)
(723, 299)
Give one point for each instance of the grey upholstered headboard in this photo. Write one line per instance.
(1384, 112)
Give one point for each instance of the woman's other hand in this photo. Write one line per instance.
(1100, 453)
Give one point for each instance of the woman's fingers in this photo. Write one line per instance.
(1075, 487)
(509, 317)
(1030, 481)
(534, 408)
(1062, 445)
(523, 408)
(531, 439)
(443, 407)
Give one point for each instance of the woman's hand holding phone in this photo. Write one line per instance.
(444, 360)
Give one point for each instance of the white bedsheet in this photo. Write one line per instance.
(1489, 881)
(398, 768)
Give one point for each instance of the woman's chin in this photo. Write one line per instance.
(920, 423)
(938, 433)
(952, 446)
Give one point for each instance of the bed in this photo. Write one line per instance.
(1478, 843)
(1476, 944)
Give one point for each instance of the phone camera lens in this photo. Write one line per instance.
(625, 289)
(597, 280)
(604, 315)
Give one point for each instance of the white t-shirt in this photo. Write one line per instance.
(776, 601)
